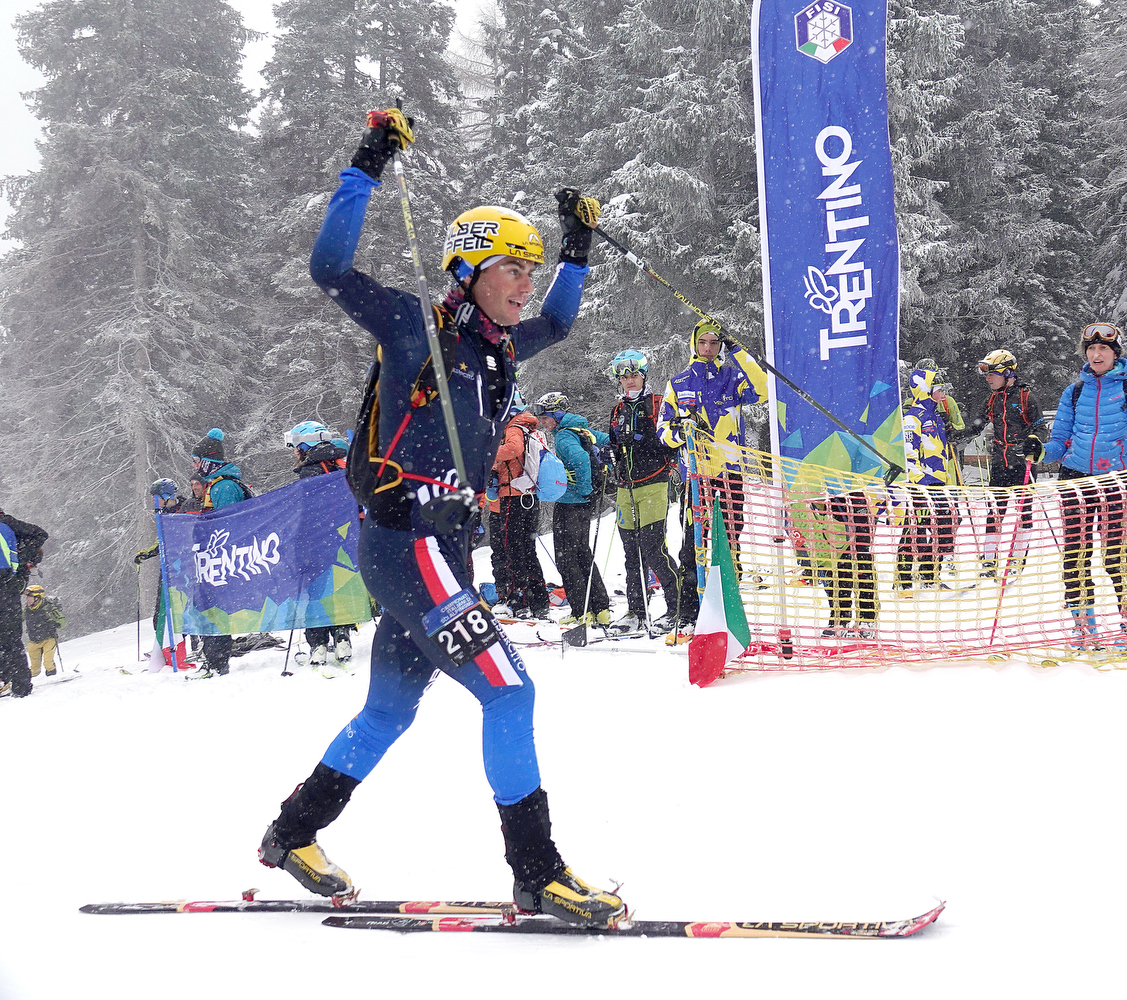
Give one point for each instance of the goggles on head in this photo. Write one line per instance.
(993, 369)
(627, 366)
(1100, 333)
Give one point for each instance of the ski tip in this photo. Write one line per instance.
(923, 920)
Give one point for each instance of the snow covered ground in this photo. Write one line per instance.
(841, 794)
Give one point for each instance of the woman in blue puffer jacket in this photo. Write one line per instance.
(1089, 440)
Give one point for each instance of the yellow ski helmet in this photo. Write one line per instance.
(490, 231)
(999, 362)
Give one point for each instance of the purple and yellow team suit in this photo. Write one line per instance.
(434, 619)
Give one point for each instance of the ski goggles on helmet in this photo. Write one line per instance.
(1100, 333)
(1000, 369)
(628, 366)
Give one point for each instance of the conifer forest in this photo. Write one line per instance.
(158, 283)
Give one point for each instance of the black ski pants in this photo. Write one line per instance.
(516, 567)
(571, 529)
(14, 669)
(650, 541)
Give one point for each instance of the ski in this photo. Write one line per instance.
(250, 904)
(495, 916)
(521, 923)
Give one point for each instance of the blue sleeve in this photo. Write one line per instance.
(601, 439)
(1062, 428)
(389, 315)
(562, 299)
(335, 245)
(561, 306)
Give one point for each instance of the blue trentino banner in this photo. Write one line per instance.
(286, 559)
(831, 258)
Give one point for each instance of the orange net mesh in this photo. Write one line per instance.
(841, 570)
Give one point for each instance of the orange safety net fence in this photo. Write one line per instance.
(841, 570)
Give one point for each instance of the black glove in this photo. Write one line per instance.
(976, 426)
(726, 341)
(1032, 448)
(578, 218)
(388, 132)
(606, 455)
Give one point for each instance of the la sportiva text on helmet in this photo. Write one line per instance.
(491, 231)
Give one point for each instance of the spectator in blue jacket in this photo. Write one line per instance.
(1089, 439)
(571, 515)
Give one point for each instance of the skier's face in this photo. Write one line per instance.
(995, 380)
(632, 382)
(502, 290)
(708, 345)
(1100, 357)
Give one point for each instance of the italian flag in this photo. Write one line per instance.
(721, 632)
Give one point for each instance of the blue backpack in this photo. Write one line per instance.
(544, 474)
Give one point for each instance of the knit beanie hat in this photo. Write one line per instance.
(211, 447)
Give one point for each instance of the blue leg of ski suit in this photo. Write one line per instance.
(410, 576)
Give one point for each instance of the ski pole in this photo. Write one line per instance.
(138, 612)
(894, 469)
(450, 511)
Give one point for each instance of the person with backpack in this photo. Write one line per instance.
(43, 617)
(223, 486)
(514, 517)
(415, 542)
(1089, 439)
(317, 452)
(21, 550)
(576, 445)
(1016, 416)
(642, 464)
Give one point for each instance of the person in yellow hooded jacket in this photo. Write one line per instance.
(709, 394)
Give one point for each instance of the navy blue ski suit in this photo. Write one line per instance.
(415, 575)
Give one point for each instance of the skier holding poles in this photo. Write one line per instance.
(642, 469)
(425, 446)
(710, 394)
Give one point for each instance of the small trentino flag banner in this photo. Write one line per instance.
(721, 632)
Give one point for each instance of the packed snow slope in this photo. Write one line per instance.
(857, 794)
